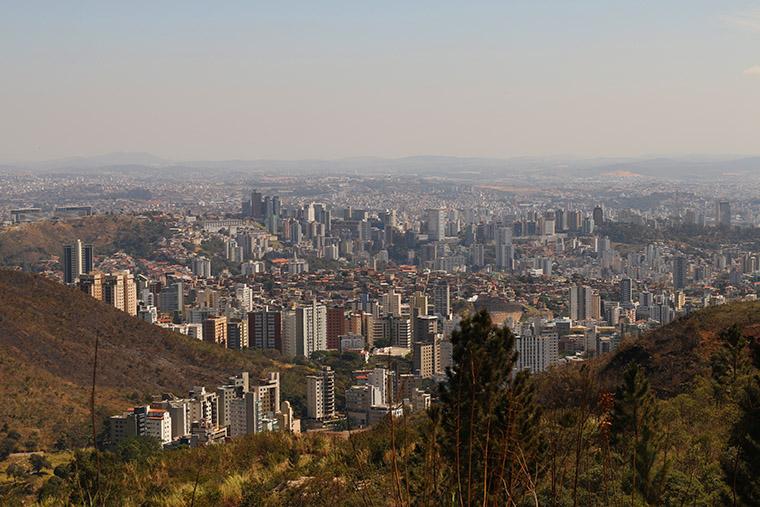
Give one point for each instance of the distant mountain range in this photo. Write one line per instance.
(687, 167)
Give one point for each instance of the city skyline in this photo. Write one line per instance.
(361, 253)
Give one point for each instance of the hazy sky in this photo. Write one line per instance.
(327, 79)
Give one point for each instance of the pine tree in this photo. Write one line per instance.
(635, 432)
(743, 471)
(730, 363)
(488, 416)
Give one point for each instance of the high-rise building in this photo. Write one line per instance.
(423, 359)
(243, 416)
(588, 225)
(626, 292)
(289, 333)
(536, 352)
(77, 260)
(419, 304)
(244, 297)
(257, 204)
(337, 326)
(380, 380)
(201, 267)
(265, 329)
(113, 291)
(441, 299)
(585, 303)
(425, 328)
(679, 273)
(505, 254)
(171, 298)
(504, 235)
(477, 254)
(130, 293)
(392, 303)
(598, 215)
(268, 393)
(574, 220)
(215, 330)
(399, 331)
(237, 334)
(311, 329)
(436, 224)
(92, 284)
(320, 394)
(561, 220)
(723, 213)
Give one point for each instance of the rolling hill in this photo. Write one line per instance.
(30, 243)
(47, 336)
(675, 355)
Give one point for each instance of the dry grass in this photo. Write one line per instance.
(46, 343)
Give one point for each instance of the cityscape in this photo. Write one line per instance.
(409, 254)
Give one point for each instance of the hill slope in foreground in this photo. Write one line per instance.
(675, 355)
(47, 337)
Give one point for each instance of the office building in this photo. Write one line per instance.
(77, 260)
(723, 213)
(505, 254)
(598, 215)
(171, 298)
(436, 224)
(626, 292)
(679, 273)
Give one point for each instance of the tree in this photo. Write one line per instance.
(9, 444)
(39, 463)
(488, 417)
(138, 449)
(16, 470)
(743, 470)
(635, 432)
(729, 363)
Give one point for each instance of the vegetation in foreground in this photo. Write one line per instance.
(493, 439)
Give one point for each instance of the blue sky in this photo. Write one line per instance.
(196, 80)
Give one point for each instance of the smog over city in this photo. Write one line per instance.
(399, 253)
